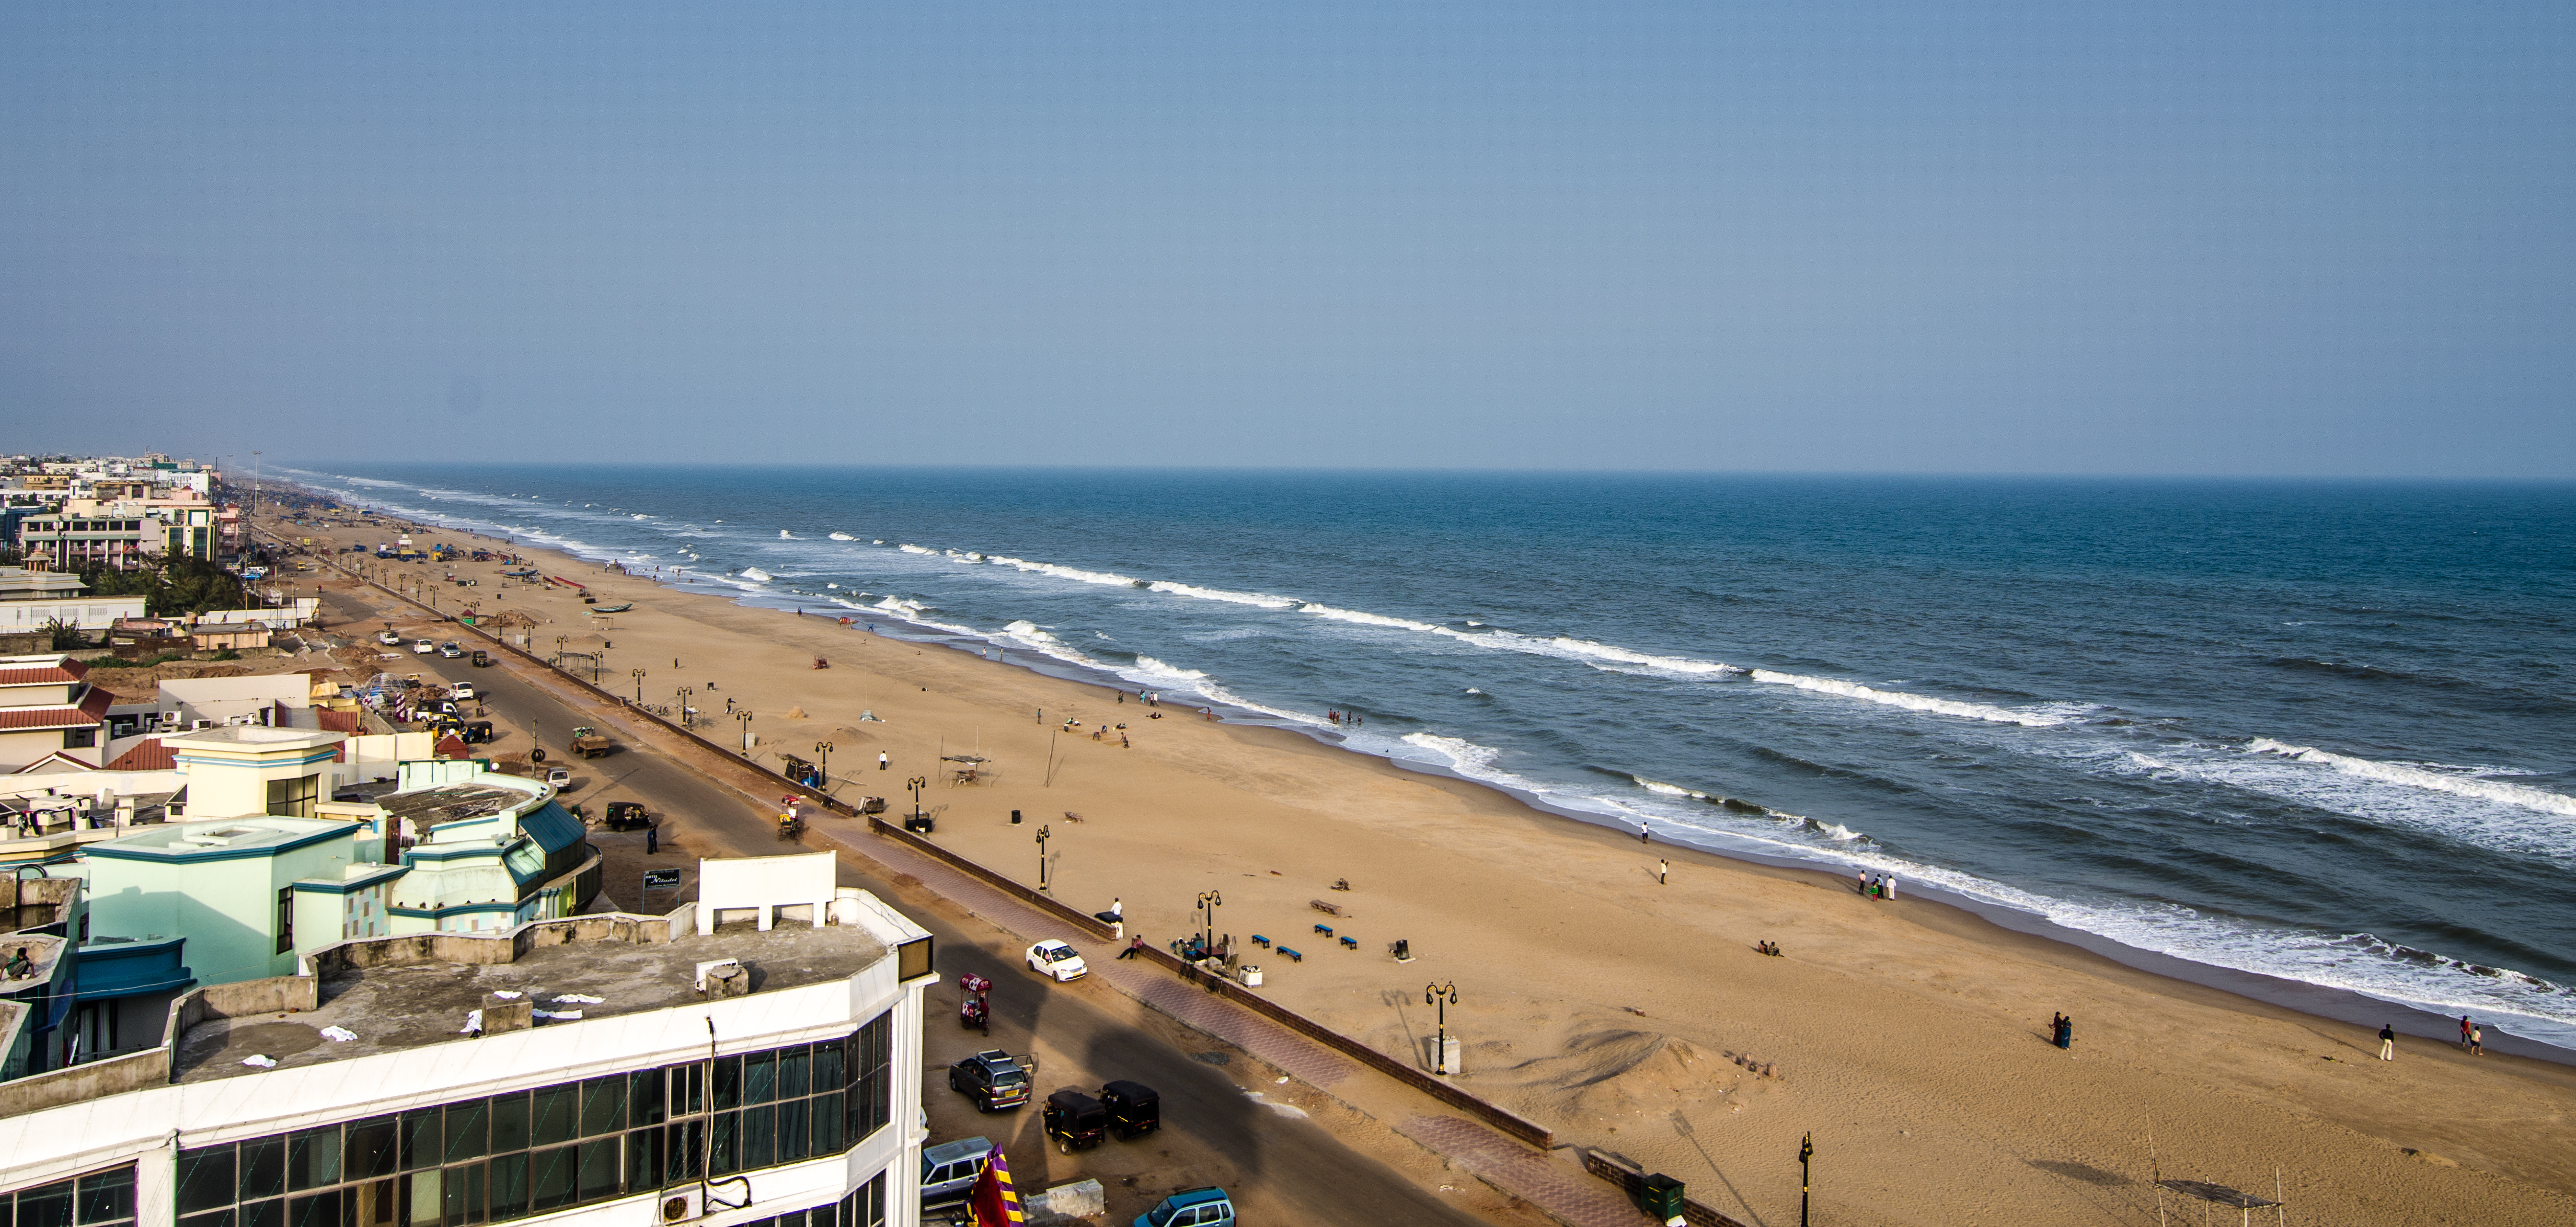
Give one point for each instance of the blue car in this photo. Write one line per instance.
(1192, 1208)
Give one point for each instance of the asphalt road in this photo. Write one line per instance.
(1280, 1168)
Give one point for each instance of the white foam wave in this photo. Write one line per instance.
(1261, 599)
(843, 537)
(755, 573)
(915, 549)
(1104, 578)
(1030, 635)
(1662, 789)
(1912, 702)
(1363, 618)
(2464, 785)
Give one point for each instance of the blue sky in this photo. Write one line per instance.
(2324, 239)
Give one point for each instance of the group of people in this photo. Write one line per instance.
(1769, 948)
(1876, 885)
(2061, 1031)
(1344, 717)
(2473, 1038)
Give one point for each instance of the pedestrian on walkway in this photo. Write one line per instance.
(653, 840)
(2387, 1042)
(1135, 946)
(1663, 868)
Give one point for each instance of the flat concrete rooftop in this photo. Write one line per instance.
(408, 1005)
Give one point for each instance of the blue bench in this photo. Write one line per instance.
(1326, 930)
(1261, 941)
(1350, 943)
(1293, 956)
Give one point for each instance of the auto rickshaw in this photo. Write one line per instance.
(791, 822)
(977, 1009)
(1076, 1121)
(1134, 1109)
(626, 816)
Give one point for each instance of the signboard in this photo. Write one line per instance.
(661, 879)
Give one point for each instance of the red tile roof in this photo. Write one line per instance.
(21, 719)
(97, 701)
(150, 756)
(451, 747)
(64, 670)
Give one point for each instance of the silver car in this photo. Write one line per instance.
(949, 1170)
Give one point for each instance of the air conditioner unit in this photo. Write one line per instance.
(679, 1206)
(170, 719)
(203, 724)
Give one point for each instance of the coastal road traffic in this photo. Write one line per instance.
(1281, 1168)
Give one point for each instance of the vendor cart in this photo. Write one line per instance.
(977, 1009)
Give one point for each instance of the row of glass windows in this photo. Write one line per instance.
(99, 1199)
(84, 526)
(503, 1157)
(864, 1207)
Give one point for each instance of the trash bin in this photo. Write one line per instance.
(1251, 976)
(1661, 1198)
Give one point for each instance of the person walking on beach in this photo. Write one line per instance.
(2387, 1042)
(881, 760)
(1887, 887)
(1663, 869)
(1645, 835)
(1860, 881)
(2065, 1031)
(2477, 1041)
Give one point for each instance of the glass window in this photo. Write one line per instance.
(205, 1179)
(46, 1205)
(724, 1153)
(827, 1124)
(759, 1137)
(687, 1148)
(468, 1130)
(728, 1079)
(370, 1204)
(509, 1123)
(263, 1168)
(760, 1078)
(643, 1159)
(372, 1149)
(558, 1115)
(796, 1219)
(795, 1137)
(270, 1213)
(509, 1186)
(421, 1144)
(603, 1105)
(644, 1099)
(550, 1179)
(463, 1189)
(791, 1072)
(598, 1170)
(318, 1210)
(106, 1197)
(312, 1161)
(220, 1218)
(688, 1089)
(427, 1202)
(827, 1067)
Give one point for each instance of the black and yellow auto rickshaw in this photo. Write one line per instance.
(1076, 1121)
(1134, 1109)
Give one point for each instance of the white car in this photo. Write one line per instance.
(424, 647)
(450, 650)
(1057, 960)
(462, 691)
(388, 638)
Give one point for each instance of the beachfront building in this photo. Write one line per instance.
(605, 1069)
(48, 708)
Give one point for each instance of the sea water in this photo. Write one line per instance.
(2322, 731)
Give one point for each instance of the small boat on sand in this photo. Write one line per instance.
(609, 609)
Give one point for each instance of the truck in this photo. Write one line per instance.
(587, 742)
(994, 1079)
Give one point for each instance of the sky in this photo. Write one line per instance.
(2049, 238)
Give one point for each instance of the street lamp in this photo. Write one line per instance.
(823, 772)
(1209, 902)
(1442, 996)
(916, 784)
(638, 675)
(744, 719)
(685, 692)
(1806, 1151)
(1042, 874)
(559, 642)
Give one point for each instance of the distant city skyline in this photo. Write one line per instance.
(2302, 241)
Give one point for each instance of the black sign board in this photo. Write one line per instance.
(661, 879)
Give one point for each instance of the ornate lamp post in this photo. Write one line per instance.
(1042, 866)
(638, 675)
(1209, 902)
(1442, 996)
(916, 784)
(823, 752)
(744, 718)
(1806, 1151)
(685, 692)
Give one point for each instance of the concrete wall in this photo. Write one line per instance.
(90, 613)
(226, 908)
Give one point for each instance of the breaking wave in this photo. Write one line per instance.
(2463, 785)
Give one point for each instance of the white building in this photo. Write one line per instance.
(601, 1070)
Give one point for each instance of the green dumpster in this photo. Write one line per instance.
(1661, 1197)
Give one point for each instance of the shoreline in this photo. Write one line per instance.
(1597, 1001)
(2323, 1001)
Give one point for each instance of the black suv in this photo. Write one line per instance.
(993, 1079)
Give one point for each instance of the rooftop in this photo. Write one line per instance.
(221, 837)
(409, 1005)
(248, 737)
(444, 803)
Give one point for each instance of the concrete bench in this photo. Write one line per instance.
(1293, 956)
(1261, 941)
(1326, 930)
(1350, 943)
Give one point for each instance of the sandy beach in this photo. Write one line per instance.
(1909, 1037)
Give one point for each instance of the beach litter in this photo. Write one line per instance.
(558, 1015)
(508, 994)
(578, 999)
(338, 1035)
(260, 1062)
(473, 1023)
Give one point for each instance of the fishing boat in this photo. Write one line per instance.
(609, 609)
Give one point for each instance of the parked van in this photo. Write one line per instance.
(949, 1170)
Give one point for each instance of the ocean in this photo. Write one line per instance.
(2321, 731)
